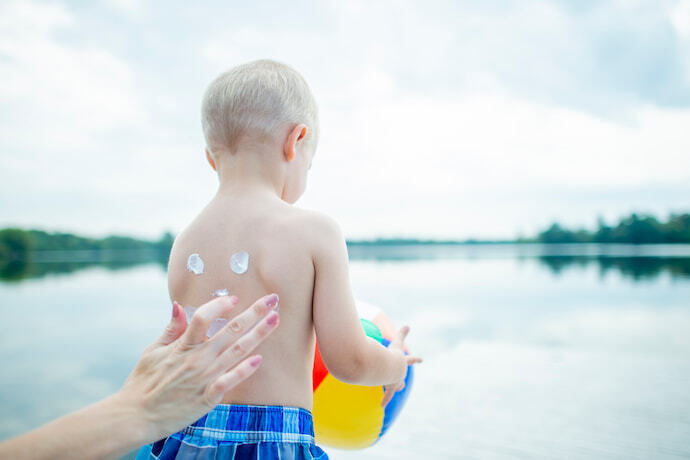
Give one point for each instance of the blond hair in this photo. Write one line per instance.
(256, 100)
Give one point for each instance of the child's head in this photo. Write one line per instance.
(262, 103)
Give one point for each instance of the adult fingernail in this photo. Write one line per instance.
(272, 319)
(255, 361)
(272, 300)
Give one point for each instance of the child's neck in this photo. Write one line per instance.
(250, 173)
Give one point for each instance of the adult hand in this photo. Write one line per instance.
(398, 346)
(177, 380)
(184, 374)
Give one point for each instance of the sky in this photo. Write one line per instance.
(441, 119)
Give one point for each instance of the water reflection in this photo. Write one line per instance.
(637, 262)
(527, 352)
(636, 268)
(68, 262)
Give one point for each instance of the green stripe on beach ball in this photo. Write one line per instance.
(371, 330)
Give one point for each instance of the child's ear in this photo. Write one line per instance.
(295, 135)
(209, 157)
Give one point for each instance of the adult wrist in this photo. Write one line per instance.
(138, 428)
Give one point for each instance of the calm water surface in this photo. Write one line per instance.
(530, 351)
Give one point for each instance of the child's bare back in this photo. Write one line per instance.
(276, 236)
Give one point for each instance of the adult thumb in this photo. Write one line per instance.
(176, 326)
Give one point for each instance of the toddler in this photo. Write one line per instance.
(260, 121)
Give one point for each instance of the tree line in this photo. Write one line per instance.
(19, 244)
(634, 229)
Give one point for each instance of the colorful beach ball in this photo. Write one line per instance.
(350, 416)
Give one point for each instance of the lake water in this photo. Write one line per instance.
(534, 352)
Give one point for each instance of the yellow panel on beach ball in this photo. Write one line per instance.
(350, 416)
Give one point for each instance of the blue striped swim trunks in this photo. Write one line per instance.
(238, 431)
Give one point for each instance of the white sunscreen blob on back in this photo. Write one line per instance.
(239, 262)
(216, 325)
(189, 312)
(220, 292)
(195, 264)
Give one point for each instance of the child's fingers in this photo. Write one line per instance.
(413, 360)
(399, 339)
(232, 378)
(244, 322)
(387, 396)
(204, 316)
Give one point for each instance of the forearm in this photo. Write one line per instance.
(107, 429)
(377, 365)
(170, 387)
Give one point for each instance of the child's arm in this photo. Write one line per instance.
(347, 352)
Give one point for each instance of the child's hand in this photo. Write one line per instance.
(398, 346)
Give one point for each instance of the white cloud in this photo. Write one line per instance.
(448, 161)
(62, 99)
(443, 121)
(680, 17)
(69, 142)
(29, 17)
(133, 8)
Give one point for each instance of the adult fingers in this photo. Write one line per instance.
(244, 321)
(204, 316)
(232, 378)
(245, 344)
(175, 328)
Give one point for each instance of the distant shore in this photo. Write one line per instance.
(18, 244)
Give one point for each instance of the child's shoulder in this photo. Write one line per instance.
(315, 219)
(320, 232)
(319, 226)
(306, 228)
